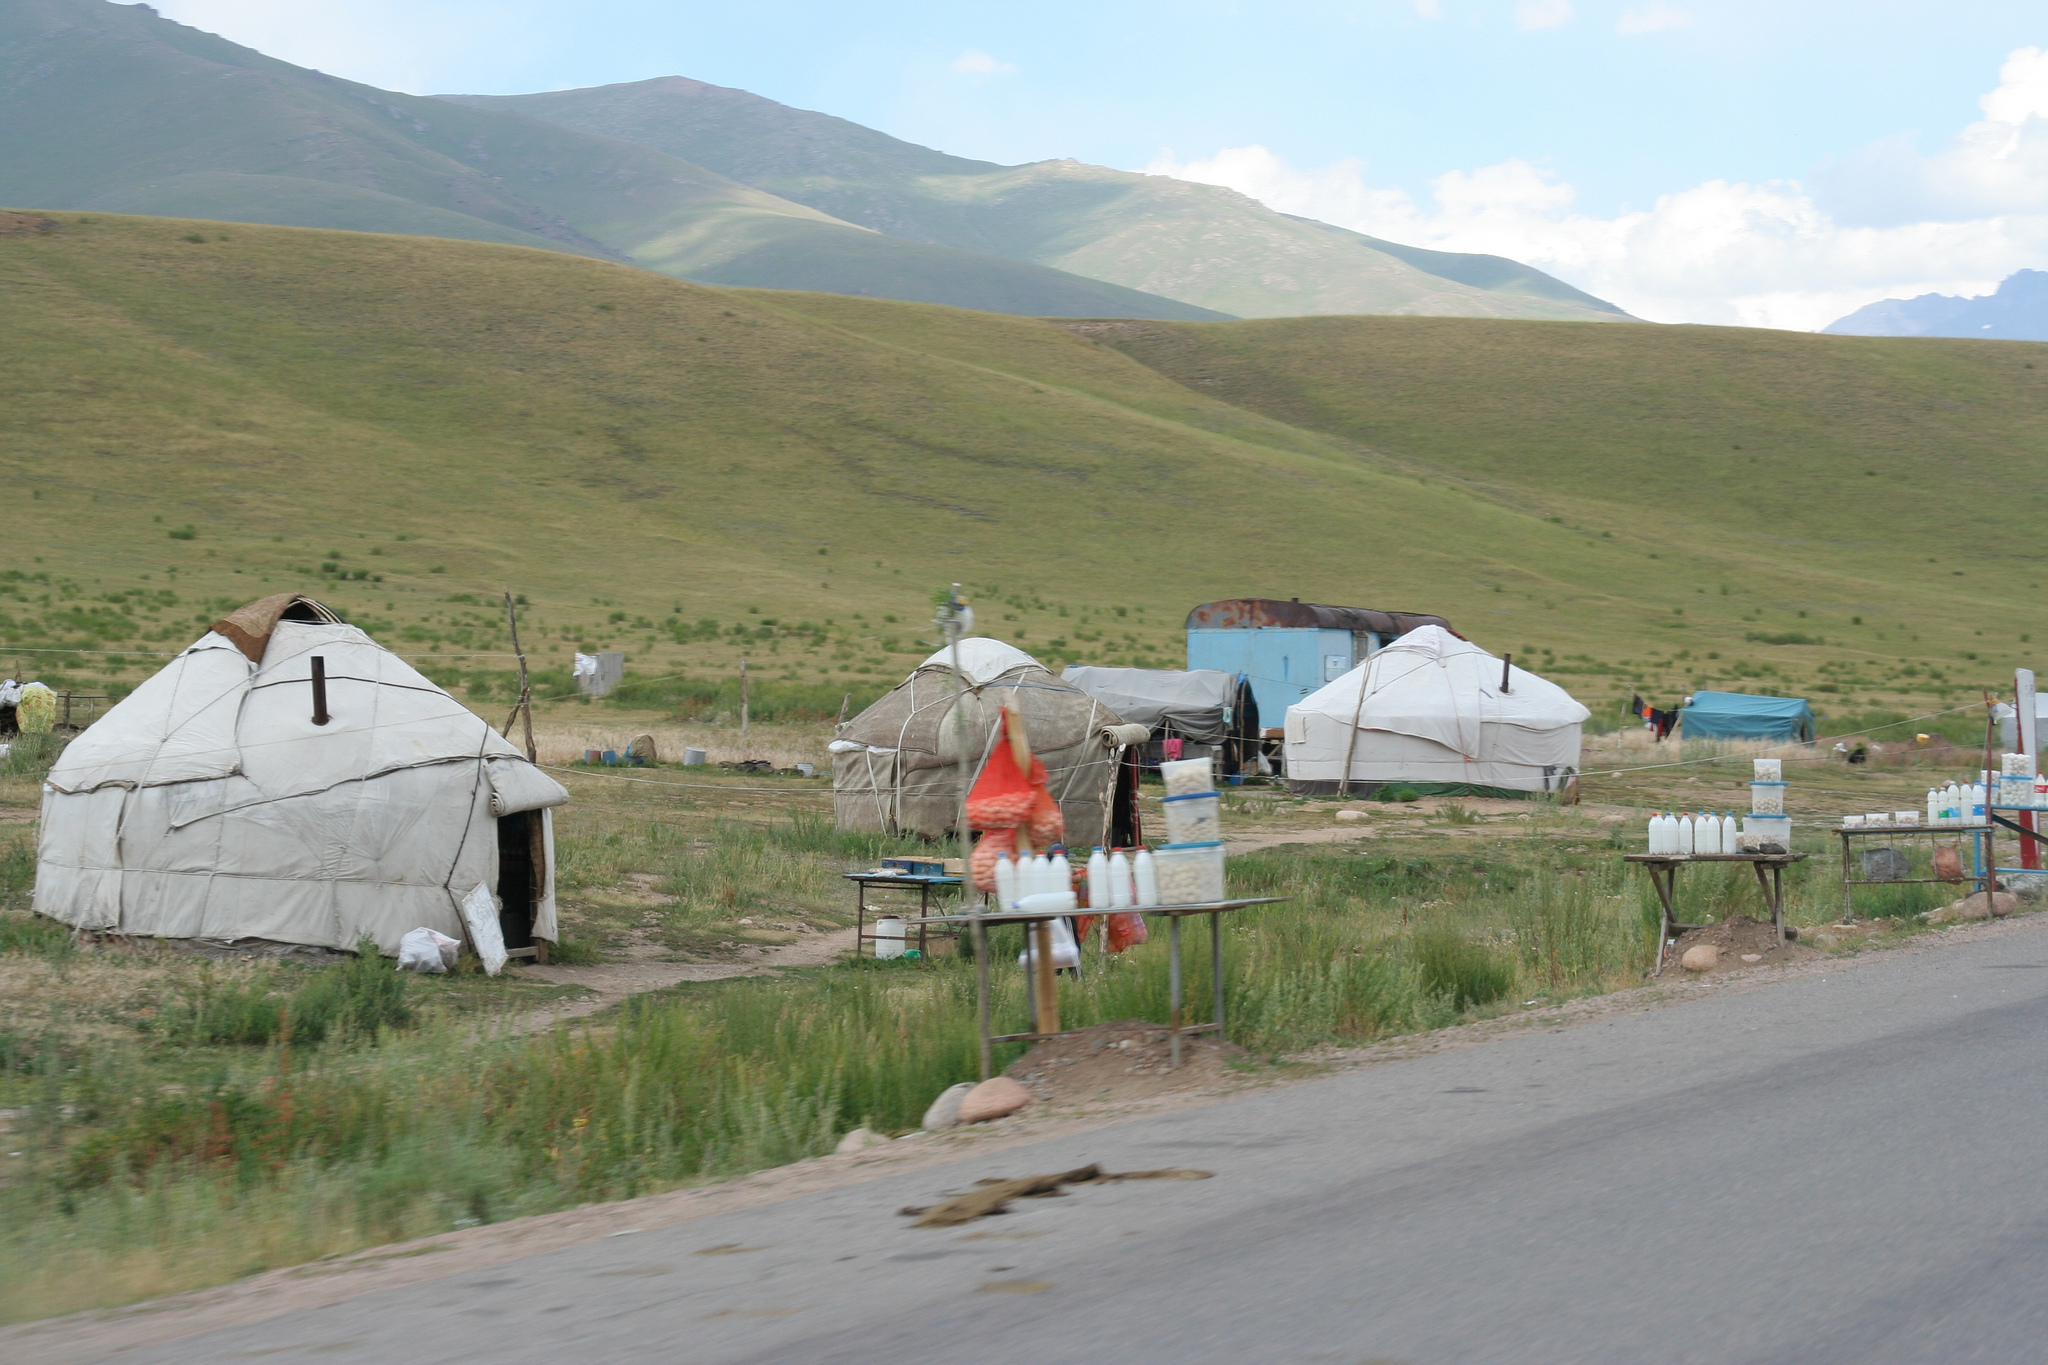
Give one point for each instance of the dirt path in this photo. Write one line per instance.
(639, 972)
(1399, 821)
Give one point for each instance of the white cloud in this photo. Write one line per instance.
(975, 62)
(1538, 14)
(1654, 17)
(1887, 223)
(1429, 9)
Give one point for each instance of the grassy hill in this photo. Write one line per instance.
(1202, 244)
(195, 414)
(110, 107)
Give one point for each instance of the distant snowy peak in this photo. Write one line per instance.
(2018, 311)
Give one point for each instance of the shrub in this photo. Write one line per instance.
(1467, 973)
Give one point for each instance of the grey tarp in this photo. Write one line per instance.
(1193, 704)
(896, 766)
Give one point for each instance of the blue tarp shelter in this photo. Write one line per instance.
(1737, 715)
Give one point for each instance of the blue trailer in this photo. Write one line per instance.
(1289, 649)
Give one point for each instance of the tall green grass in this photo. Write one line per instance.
(266, 1155)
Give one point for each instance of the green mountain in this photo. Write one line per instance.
(1202, 244)
(195, 414)
(112, 108)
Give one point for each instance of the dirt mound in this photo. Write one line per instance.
(1119, 1061)
(1737, 937)
(21, 224)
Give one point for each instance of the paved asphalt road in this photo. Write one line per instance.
(1832, 1169)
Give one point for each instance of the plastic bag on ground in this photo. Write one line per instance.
(423, 950)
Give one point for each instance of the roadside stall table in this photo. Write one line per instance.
(1980, 855)
(1046, 1011)
(921, 883)
(1663, 870)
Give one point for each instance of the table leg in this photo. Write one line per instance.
(981, 993)
(1042, 973)
(1770, 881)
(860, 917)
(1848, 899)
(1216, 967)
(1173, 981)
(1665, 891)
(924, 908)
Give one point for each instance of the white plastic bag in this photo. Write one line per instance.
(423, 950)
(480, 915)
(1064, 951)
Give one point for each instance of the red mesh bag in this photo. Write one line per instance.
(981, 867)
(1126, 931)
(1048, 823)
(1002, 797)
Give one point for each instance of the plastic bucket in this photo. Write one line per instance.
(1196, 819)
(1188, 777)
(1189, 874)
(888, 937)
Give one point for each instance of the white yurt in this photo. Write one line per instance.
(896, 766)
(287, 778)
(1429, 711)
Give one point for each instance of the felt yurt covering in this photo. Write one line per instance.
(1428, 712)
(208, 804)
(896, 766)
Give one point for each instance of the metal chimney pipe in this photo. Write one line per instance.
(1506, 662)
(320, 716)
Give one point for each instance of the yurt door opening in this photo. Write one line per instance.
(522, 874)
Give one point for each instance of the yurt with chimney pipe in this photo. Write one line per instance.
(286, 778)
(1439, 714)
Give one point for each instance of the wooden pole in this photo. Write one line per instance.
(743, 703)
(1047, 989)
(844, 702)
(1351, 747)
(524, 707)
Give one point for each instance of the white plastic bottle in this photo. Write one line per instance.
(1933, 806)
(1952, 804)
(2041, 789)
(1686, 834)
(1120, 892)
(1098, 879)
(1729, 829)
(1661, 840)
(1006, 881)
(1650, 832)
(1062, 872)
(1706, 833)
(1146, 877)
(1977, 803)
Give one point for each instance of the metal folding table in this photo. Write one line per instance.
(1046, 1013)
(1980, 857)
(923, 886)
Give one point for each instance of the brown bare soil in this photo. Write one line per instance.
(1744, 942)
(1126, 1060)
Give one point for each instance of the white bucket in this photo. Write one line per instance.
(693, 758)
(888, 937)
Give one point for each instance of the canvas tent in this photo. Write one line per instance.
(896, 766)
(1200, 705)
(212, 802)
(1428, 712)
(1737, 715)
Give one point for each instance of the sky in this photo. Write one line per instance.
(1772, 164)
